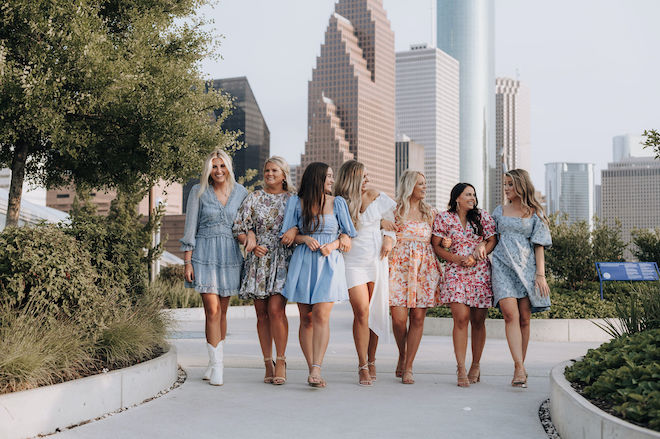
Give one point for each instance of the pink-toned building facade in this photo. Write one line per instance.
(351, 97)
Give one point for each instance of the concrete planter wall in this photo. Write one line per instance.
(45, 409)
(575, 417)
(556, 330)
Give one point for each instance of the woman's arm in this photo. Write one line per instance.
(188, 272)
(539, 277)
(328, 248)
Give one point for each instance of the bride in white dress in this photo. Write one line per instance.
(367, 272)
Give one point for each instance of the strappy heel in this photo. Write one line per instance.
(268, 379)
(277, 380)
(461, 377)
(372, 364)
(474, 375)
(399, 368)
(316, 381)
(408, 377)
(519, 377)
(361, 382)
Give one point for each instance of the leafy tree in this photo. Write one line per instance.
(606, 242)
(104, 94)
(570, 256)
(652, 141)
(646, 244)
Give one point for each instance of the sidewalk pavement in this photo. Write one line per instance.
(434, 407)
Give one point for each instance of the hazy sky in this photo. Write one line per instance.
(592, 66)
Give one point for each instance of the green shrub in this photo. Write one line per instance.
(175, 295)
(622, 376)
(637, 312)
(171, 273)
(43, 267)
(646, 244)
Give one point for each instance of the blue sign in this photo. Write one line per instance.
(626, 271)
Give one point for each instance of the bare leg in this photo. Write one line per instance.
(321, 337)
(478, 340)
(415, 332)
(279, 328)
(461, 315)
(511, 314)
(265, 337)
(359, 296)
(212, 313)
(224, 305)
(525, 311)
(400, 330)
(373, 341)
(306, 332)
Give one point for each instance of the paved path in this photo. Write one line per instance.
(246, 408)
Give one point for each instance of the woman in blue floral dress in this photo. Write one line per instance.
(212, 257)
(518, 261)
(257, 226)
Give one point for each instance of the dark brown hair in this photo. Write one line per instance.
(473, 215)
(312, 195)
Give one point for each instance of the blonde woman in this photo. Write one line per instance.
(212, 257)
(519, 284)
(414, 270)
(257, 226)
(367, 269)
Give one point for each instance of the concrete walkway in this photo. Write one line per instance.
(246, 408)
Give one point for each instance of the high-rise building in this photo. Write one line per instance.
(631, 194)
(247, 118)
(466, 31)
(427, 110)
(409, 155)
(351, 95)
(512, 132)
(569, 189)
(627, 145)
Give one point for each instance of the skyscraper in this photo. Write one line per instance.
(246, 117)
(512, 132)
(466, 31)
(427, 110)
(409, 155)
(569, 188)
(626, 146)
(351, 95)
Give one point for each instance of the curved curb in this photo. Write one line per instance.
(575, 417)
(45, 409)
(559, 330)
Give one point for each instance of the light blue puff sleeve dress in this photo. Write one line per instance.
(216, 257)
(312, 277)
(513, 260)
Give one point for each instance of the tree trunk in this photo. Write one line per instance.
(16, 186)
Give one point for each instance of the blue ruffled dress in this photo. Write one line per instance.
(513, 261)
(216, 257)
(312, 277)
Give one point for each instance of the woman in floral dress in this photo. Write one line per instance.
(519, 285)
(466, 286)
(414, 270)
(257, 226)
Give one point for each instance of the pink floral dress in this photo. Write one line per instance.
(414, 269)
(468, 285)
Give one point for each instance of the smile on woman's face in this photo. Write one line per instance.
(273, 176)
(419, 192)
(365, 179)
(218, 171)
(509, 190)
(329, 181)
(467, 200)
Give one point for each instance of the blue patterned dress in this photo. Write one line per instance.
(216, 257)
(513, 260)
(312, 277)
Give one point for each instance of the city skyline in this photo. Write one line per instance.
(554, 65)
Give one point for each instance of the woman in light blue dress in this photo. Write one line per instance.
(316, 277)
(212, 257)
(518, 265)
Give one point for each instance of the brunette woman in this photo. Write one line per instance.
(212, 257)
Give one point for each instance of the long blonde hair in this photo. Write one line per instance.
(524, 188)
(205, 178)
(406, 186)
(284, 166)
(349, 186)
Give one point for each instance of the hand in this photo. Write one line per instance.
(386, 248)
(467, 261)
(250, 241)
(387, 225)
(479, 253)
(260, 251)
(188, 273)
(344, 243)
(326, 249)
(289, 236)
(312, 243)
(542, 286)
(446, 242)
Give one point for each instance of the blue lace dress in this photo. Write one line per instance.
(216, 257)
(513, 260)
(312, 277)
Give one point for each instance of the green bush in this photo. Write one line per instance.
(42, 267)
(175, 295)
(646, 244)
(171, 273)
(636, 312)
(622, 376)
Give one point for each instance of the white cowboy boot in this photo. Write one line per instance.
(216, 355)
(207, 372)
